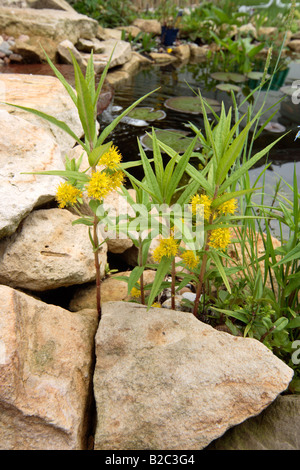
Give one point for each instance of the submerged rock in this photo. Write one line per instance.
(164, 380)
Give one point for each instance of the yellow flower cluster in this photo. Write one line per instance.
(197, 208)
(111, 159)
(135, 292)
(167, 247)
(228, 207)
(108, 179)
(220, 238)
(99, 185)
(189, 259)
(67, 195)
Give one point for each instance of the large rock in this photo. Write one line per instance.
(48, 23)
(45, 374)
(121, 55)
(164, 380)
(45, 94)
(49, 252)
(24, 148)
(276, 428)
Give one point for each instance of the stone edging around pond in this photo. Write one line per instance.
(25, 30)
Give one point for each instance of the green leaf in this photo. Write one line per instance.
(82, 177)
(221, 270)
(294, 323)
(232, 154)
(150, 177)
(97, 153)
(281, 323)
(291, 256)
(62, 125)
(103, 76)
(86, 109)
(161, 272)
(246, 166)
(179, 170)
(134, 277)
(106, 132)
(62, 79)
(84, 221)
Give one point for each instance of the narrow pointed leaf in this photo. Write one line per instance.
(61, 124)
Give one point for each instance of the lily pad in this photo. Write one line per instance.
(175, 139)
(190, 104)
(256, 75)
(229, 77)
(147, 114)
(228, 87)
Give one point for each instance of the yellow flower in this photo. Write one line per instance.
(135, 292)
(169, 50)
(190, 260)
(220, 238)
(111, 159)
(156, 305)
(196, 202)
(99, 185)
(67, 195)
(117, 179)
(167, 247)
(228, 207)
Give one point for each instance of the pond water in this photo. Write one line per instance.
(181, 82)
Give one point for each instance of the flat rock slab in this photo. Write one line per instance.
(49, 252)
(45, 94)
(164, 380)
(24, 148)
(54, 24)
(46, 359)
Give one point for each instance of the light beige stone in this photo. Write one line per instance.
(148, 26)
(50, 4)
(46, 366)
(131, 30)
(183, 52)
(121, 55)
(112, 290)
(49, 252)
(108, 33)
(45, 94)
(25, 148)
(65, 49)
(54, 24)
(276, 428)
(294, 45)
(162, 58)
(164, 380)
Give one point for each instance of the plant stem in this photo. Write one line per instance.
(173, 285)
(97, 267)
(200, 281)
(142, 275)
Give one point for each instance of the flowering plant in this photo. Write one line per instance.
(105, 169)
